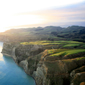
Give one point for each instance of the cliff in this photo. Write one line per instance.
(46, 67)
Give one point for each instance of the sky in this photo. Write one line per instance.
(35, 13)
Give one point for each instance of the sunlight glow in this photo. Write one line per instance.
(19, 20)
(17, 6)
(10, 11)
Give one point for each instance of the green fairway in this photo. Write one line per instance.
(68, 52)
(71, 45)
(46, 42)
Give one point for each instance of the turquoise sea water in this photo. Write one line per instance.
(11, 74)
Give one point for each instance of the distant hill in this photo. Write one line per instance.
(46, 29)
(72, 32)
(45, 33)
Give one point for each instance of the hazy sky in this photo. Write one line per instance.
(34, 13)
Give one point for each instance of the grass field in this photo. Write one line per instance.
(57, 44)
(71, 45)
(67, 52)
(45, 42)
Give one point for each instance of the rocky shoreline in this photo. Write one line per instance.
(46, 71)
(9, 50)
(6, 54)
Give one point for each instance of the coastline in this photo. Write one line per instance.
(6, 54)
(9, 50)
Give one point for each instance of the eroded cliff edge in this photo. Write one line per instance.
(46, 69)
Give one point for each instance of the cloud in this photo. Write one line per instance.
(41, 12)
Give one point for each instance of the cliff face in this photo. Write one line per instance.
(23, 56)
(8, 49)
(46, 70)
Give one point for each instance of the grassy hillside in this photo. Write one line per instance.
(67, 52)
(73, 32)
(56, 44)
(45, 33)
